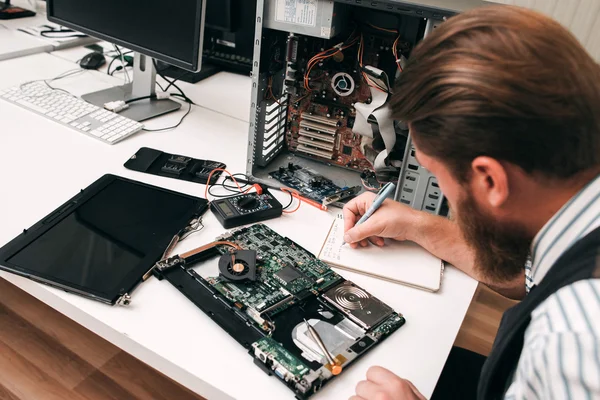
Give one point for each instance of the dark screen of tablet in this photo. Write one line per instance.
(103, 240)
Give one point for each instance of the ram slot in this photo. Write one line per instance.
(318, 127)
(315, 143)
(319, 136)
(315, 152)
(320, 119)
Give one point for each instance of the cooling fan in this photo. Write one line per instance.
(358, 305)
(343, 84)
(238, 266)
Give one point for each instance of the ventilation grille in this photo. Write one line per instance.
(270, 130)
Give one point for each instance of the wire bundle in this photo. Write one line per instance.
(396, 55)
(319, 57)
(243, 189)
(270, 91)
(394, 46)
(361, 49)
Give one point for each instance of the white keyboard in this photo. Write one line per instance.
(72, 111)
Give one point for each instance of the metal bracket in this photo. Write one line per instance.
(124, 300)
(169, 263)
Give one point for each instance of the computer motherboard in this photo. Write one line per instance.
(269, 290)
(323, 96)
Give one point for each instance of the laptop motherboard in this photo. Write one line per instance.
(299, 319)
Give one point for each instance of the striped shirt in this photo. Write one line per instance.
(561, 351)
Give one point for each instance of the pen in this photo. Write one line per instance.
(381, 196)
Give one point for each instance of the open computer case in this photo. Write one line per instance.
(323, 73)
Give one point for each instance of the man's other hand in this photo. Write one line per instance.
(392, 220)
(382, 384)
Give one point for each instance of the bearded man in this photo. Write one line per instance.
(503, 106)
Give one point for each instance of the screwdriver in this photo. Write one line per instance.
(335, 368)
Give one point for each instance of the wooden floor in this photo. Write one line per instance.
(46, 356)
(479, 328)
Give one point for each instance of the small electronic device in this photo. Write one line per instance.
(142, 28)
(246, 208)
(100, 243)
(71, 111)
(8, 11)
(93, 60)
(299, 319)
(156, 162)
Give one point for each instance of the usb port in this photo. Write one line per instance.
(434, 184)
(412, 153)
(434, 197)
(430, 208)
(404, 201)
(413, 167)
(408, 190)
(411, 178)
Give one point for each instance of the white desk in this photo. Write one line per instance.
(14, 43)
(46, 163)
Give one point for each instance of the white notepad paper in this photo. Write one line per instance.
(405, 263)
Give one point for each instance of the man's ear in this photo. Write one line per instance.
(489, 182)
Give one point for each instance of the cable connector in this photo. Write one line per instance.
(163, 95)
(116, 106)
(258, 188)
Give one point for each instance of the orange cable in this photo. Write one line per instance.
(382, 29)
(300, 199)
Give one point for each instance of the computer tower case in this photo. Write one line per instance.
(322, 74)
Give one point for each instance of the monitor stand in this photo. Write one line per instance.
(11, 12)
(144, 84)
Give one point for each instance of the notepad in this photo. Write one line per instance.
(405, 263)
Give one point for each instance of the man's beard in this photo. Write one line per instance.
(501, 249)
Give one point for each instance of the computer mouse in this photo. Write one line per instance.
(92, 61)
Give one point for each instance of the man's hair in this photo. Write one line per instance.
(507, 83)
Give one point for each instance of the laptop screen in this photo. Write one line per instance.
(101, 241)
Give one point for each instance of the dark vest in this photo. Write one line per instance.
(582, 261)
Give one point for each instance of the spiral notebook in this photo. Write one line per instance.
(405, 263)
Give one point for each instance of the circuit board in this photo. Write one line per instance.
(286, 273)
(288, 363)
(298, 318)
(321, 111)
(293, 288)
(313, 185)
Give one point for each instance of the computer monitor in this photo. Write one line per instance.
(228, 40)
(171, 32)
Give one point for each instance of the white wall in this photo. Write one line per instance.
(582, 17)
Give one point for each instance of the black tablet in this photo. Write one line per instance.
(100, 243)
